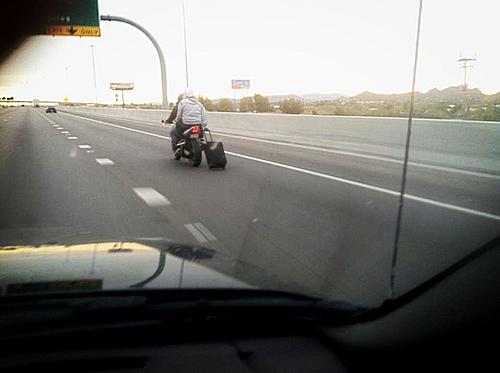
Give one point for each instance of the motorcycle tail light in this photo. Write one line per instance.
(196, 129)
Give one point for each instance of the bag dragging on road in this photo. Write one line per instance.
(214, 152)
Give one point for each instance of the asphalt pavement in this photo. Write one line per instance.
(279, 215)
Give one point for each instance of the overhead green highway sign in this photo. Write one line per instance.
(74, 18)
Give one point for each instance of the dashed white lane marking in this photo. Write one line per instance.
(84, 146)
(205, 231)
(90, 151)
(427, 201)
(72, 137)
(65, 132)
(59, 128)
(55, 125)
(151, 197)
(104, 161)
(195, 232)
(5, 120)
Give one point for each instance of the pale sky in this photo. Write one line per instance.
(282, 46)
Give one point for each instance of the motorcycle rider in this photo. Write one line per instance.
(173, 113)
(190, 112)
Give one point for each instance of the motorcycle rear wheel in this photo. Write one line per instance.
(196, 153)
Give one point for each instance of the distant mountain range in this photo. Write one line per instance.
(454, 93)
(308, 97)
(450, 94)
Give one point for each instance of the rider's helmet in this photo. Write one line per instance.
(188, 93)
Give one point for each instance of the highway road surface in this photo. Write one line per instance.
(279, 216)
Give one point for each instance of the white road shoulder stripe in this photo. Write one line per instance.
(324, 176)
(327, 150)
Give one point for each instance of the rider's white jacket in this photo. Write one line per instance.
(191, 111)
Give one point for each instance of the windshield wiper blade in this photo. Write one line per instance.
(152, 304)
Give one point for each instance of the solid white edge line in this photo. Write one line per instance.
(195, 233)
(325, 176)
(44, 117)
(129, 120)
(365, 156)
(333, 151)
(117, 126)
(205, 231)
(318, 174)
(452, 207)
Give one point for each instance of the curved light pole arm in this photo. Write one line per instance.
(163, 69)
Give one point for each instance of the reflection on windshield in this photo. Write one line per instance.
(280, 157)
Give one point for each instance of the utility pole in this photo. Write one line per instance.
(464, 65)
(93, 65)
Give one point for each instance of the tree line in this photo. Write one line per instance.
(253, 104)
(423, 109)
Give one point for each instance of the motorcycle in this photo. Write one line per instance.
(191, 145)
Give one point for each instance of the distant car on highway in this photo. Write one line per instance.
(51, 109)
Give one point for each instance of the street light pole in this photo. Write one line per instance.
(93, 65)
(67, 84)
(185, 43)
(163, 70)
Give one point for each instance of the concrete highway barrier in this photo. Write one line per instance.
(470, 145)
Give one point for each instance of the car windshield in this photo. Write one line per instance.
(342, 150)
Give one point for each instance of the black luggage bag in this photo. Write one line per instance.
(214, 152)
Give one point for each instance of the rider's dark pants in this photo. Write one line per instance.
(176, 133)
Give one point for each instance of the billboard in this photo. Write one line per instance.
(121, 86)
(240, 84)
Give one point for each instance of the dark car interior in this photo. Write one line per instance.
(449, 323)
